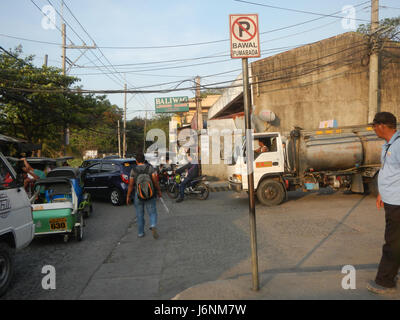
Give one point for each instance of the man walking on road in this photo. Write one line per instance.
(140, 201)
(384, 125)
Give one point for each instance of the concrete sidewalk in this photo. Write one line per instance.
(302, 285)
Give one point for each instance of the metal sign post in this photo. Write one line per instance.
(250, 175)
(245, 44)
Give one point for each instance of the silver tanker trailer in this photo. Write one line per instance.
(346, 158)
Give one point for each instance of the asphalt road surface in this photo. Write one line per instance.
(203, 241)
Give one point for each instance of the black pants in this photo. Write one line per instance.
(390, 261)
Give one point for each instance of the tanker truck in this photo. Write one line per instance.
(346, 158)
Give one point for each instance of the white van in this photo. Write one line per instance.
(16, 222)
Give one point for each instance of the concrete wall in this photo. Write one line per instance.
(322, 81)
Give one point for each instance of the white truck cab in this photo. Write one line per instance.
(16, 222)
(268, 166)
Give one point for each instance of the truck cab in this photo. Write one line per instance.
(16, 222)
(268, 166)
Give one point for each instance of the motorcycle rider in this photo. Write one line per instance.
(192, 173)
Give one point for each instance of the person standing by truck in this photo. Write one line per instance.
(384, 125)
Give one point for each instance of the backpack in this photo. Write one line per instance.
(144, 184)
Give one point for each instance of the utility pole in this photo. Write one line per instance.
(199, 121)
(144, 133)
(119, 141)
(198, 105)
(124, 143)
(373, 102)
(46, 58)
(64, 61)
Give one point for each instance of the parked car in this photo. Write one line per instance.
(88, 162)
(109, 178)
(16, 222)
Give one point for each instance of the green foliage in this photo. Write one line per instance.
(205, 93)
(389, 29)
(30, 112)
(136, 131)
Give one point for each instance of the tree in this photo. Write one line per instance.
(135, 131)
(389, 28)
(29, 110)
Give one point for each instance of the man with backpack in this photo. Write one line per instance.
(144, 180)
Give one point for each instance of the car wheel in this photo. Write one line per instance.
(116, 197)
(6, 267)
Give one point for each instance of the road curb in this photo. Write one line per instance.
(219, 187)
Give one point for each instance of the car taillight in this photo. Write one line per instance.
(125, 178)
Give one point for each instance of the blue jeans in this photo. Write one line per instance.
(151, 210)
(182, 187)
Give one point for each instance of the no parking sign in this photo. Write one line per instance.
(244, 34)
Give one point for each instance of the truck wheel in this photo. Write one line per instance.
(6, 267)
(373, 186)
(270, 192)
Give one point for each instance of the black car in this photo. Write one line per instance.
(87, 163)
(109, 178)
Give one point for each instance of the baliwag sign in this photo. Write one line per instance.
(245, 40)
(171, 104)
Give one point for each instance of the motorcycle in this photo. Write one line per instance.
(166, 177)
(198, 188)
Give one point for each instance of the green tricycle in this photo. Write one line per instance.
(59, 205)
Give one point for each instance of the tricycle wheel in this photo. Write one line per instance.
(88, 211)
(6, 267)
(79, 229)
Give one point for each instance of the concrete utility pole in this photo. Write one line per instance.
(199, 121)
(64, 61)
(64, 48)
(144, 133)
(373, 102)
(46, 58)
(198, 105)
(124, 143)
(119, 141)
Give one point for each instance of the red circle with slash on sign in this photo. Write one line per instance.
(243, 30)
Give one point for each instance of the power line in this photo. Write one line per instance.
(284, 77)
(300, 11)
(83, 41)
(175, 67)
(289, 67)
(33, 2)
(192, 44)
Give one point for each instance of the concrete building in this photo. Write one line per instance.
(325, 80)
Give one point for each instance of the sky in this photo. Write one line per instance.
(165, 44)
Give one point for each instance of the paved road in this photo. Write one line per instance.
(208, 241)
(75, 262)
